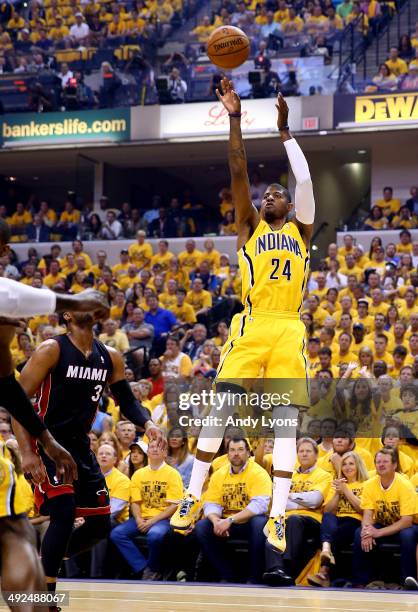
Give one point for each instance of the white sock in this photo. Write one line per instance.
(281, 488)
(199, 472)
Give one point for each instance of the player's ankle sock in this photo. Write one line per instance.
(200, 471)
(281, 488)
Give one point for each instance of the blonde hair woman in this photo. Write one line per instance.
(342, 513)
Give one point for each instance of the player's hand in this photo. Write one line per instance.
(154, 433)
(229, 97)
(21, 323)
(66, 466)
(33, 467)
(283, 112)
(94, 301)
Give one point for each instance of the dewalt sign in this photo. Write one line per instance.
(376, 109)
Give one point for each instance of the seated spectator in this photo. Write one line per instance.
(68, 223)
(405, 219)
(162, 320)
(376, 220)
(174, 362)
(358, 18)
(344, 9)
(293, 25)
(80, 31)
(388, 204)
(112, 228)
(203, 31)
(405, 48)
(140, 336)
(37, 231)
(316, 23)
(193, 341)
(228, 226)
(409, 81)
(154, 491)
(114, 337)
(395, 64)
(236, 505)
(178, 454)
(119, 487)
(183, 311)
(342, 514)
(389, 505)
(162, 226)
(412, 202)
(271, 31)
(310, 486)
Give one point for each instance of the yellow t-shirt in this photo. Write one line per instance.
(326, 464)
(316, 480)
(163, 260)
(140, 253)
(337, 359)
(120, 269)
(184, 313)
(344, 507)
(51, 280)
(394, 204)
(389, 505)
(189, 261)
(119, 341)
(17, 219)
(200, 300)
(398, 66)
(119, 486)
(167, 300)
(154, 490)
(73, 217)
(234, 491)
(213, 258)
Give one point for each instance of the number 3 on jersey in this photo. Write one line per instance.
(96, 396)
(275, 262)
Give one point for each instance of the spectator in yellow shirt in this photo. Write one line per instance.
(395, 64)
(405, 244)
(55, 276)
(155, 491)
(405, 219)
(389, 505)
(183, 311)
(293, 24)
(16, 22)
(163, 256)
(388, 203)
(376, 220)
(316, 23)
(236, 505)
(203, 31)
(199, 298)
(282, 12)
(114, 337)
(359, 20)
(334, 20)
(310, 486)
(140, 252)
(342, 513)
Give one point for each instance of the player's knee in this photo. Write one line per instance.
(62, 510)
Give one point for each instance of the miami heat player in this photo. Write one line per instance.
(69, 373)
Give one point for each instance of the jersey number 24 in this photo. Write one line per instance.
(275, 262)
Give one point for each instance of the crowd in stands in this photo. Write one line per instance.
(389, 213)
(60, 42)
(400, 71)
(176, 217)
(354, 485)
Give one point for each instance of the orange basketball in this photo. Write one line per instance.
(228, 47)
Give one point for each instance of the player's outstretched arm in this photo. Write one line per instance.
(304, 197)
(19, 301)
(246, 215)
(35, 371)
(129, 405)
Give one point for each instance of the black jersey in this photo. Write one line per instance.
(69, 396)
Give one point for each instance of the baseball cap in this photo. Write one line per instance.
(140, 444)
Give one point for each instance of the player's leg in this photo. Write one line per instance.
(21, 569)
(286, 372)
(54, 545)
(241, 359)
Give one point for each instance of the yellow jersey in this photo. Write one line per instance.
(12, 498)
(274, 267)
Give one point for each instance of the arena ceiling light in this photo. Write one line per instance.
(362, 151)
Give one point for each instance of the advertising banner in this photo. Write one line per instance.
(376, 109)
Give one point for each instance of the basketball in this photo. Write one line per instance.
(228, 47)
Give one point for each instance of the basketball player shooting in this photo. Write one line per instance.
(268, 336)
(68, 374)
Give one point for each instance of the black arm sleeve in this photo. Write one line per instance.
(15, 400)
(129, 405)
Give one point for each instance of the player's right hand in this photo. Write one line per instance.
(33, 467)
(94, 301)
(229, 97)
(66, 466)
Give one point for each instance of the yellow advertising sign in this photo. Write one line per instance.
(384, 108)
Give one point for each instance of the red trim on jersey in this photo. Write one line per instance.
(43, 402)
(92, 511)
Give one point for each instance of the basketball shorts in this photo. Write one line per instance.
(270, 346)
(90, 490)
